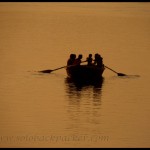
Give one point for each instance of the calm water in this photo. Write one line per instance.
(48, 110)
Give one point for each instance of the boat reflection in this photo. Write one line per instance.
(83, 104)
(81, 84)
(77, 88)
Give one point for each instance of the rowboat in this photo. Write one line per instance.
(85, 72)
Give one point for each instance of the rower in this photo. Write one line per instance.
(78, 60)
(89, 60)
(98, 60)
(71, 59)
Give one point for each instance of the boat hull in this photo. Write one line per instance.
(85, 72)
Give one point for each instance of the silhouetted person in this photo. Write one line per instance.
(89, 60)
(78, 60)
(96, 57)
(71, 59)
(98, 60)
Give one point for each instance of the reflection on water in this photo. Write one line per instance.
(83, 105)
(126, 77)
(132, 76)
(77, 88)
(79, 84)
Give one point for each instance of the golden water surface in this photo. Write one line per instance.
(48, 110)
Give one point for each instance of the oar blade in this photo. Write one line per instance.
(121, 74)
(46, 71)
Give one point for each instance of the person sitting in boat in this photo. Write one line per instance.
(98, 60)
(89, 60)
(96, 57)
(71, 59)
(78, 60)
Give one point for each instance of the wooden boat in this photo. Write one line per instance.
(85, 72)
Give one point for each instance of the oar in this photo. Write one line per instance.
(49, 71)
(119, 74)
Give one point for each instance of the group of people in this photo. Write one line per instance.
(98, 60)
(73, 60)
